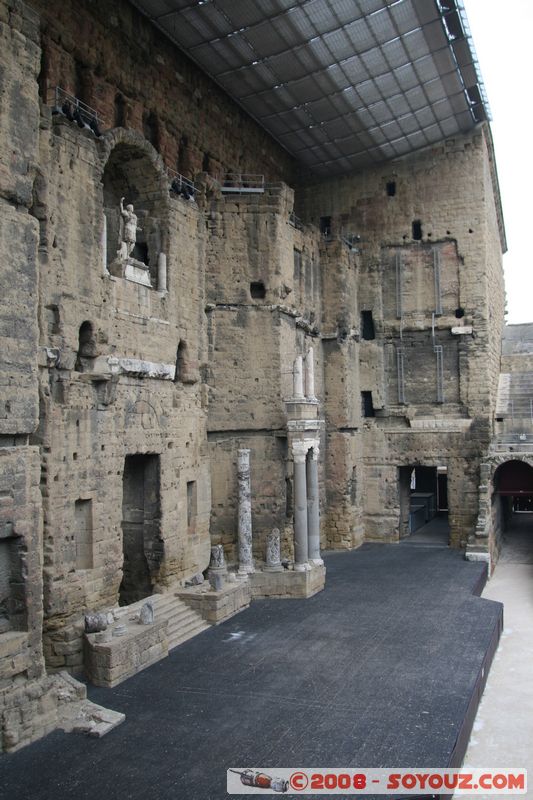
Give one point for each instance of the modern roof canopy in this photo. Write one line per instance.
(341, 84)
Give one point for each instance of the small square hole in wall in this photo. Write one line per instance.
(257, 290)
(391, 188)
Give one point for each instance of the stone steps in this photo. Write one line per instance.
(183, 622)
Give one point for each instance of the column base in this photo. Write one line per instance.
(302, 567)
(316, 562)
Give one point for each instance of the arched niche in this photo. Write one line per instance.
(514, 477)
(133, 170)
(87, 347)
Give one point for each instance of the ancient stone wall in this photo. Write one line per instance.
(135, 391)
(430, 275)
(23, 702)
(264, 290)
(113, 59)
(129, 384)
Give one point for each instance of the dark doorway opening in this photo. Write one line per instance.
(141, 542)
(512, 511)
(424, 504)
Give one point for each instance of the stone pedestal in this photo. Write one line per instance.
(132, 270)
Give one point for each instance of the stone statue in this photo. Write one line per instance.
(129, 229)
(273, 551)
(146, 617)
(94, 623)
(218, 561)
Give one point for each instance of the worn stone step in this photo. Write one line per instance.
(183, 622)
(182, 618)
(188, 634)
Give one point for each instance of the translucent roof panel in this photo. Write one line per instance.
(339, 83)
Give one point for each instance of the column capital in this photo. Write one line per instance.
(315, 447)
(299, 451)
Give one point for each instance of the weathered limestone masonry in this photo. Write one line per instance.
(122, 406)
(113, 59)
(149, 337)
(29, 699)
(506, 474)
(429, 274)
(263, 289)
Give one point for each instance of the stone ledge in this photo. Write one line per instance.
(109, 663)
(215, 607)
(288, 584)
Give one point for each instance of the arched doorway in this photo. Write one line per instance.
(512, 509)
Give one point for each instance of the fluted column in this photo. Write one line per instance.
(313, 507)
(246, 563)
(299, 450)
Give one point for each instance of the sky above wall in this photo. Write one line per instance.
(502, 38)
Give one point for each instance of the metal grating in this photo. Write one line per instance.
(402, 73)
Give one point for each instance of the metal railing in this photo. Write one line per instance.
(436, 271)
(351, 240)
(295, 221)
(401, 375)
(75, 110)
(398, 268)
(180, 185)
(242, 183)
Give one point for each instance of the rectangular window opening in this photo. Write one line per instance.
(367, 325)
(191, 506)
(325, 227)
(367, 405)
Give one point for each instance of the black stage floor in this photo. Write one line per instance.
(384, 668)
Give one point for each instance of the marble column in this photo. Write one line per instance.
(246, 563)
(162, 273)
(313, 507)
(298, 379)
(273, 552)
(299, 450)
(310, 375)
(103, 244)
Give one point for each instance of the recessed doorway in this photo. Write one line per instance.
(424, 504)
(141, 542)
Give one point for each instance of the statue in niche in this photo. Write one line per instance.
(129, 228)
